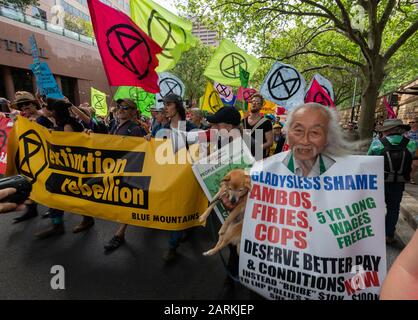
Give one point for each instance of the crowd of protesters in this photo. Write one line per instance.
(306, 133)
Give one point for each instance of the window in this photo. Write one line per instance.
(69, 86)
(38, 13)
(74, 11)
(22, 80)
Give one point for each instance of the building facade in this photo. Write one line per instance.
(405, 105)
(73, 58)
(208, 37)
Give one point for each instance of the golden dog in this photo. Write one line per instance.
(233, 194)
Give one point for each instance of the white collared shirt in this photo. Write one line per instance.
(316, 169)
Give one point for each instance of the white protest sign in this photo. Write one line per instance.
(168, 83)
(284, 85)
(225, 92)
(210, 171)
(319, 238)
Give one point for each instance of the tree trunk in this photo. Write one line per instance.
(373, 79)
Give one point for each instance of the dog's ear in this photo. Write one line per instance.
(227, 177)
(247, 182)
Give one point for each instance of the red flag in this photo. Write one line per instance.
(244, 94)
(318, 94)
(280, 111)
(128, 53)
(391, 113)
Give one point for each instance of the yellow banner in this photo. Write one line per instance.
(116, 178)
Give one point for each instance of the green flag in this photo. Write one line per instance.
(172, 33)
(226, 62)
(144, 100)
(244, 77)
(98, 102)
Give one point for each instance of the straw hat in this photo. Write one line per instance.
(22, 97)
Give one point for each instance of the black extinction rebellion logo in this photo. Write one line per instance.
(158, 25)
(215, 102)
(230, 64)
(33, 158)
(98, 101)
(170, 85)
(283, 83)
(224, 91)
(126, 44)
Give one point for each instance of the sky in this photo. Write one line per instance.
(168, 4)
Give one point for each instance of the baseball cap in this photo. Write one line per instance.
(53, 104)
(228, 115)
(130, 103)
(172, 97)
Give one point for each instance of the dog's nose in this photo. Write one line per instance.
(234, 200)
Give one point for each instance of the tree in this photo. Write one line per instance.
(78, 25)
(367, 34)
(190, 69)
(22, 4)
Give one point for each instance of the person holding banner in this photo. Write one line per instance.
(314, 137)
(175, 111)
(65, 122)
(30, 107)
(161, 122)
(126, 113)
(6, 207)
(227, 121)
(256, 122)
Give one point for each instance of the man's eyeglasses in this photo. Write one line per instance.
(121, 107)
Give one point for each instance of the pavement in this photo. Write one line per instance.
(408, 218)
(135, 271)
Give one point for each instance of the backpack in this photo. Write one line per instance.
(398, 160)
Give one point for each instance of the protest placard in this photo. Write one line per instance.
(319, 237)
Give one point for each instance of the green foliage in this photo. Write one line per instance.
(190, 69)
(78, 25)
(339, 34)
(23, 4)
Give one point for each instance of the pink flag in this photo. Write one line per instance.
(6, 125)
(391, 113)
(280, 111)
(318, 94)
(244, 94)
(128, 53)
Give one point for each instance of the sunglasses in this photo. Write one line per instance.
(26, 104)
(120, 107)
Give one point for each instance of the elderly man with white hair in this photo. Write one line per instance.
(314, 137)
